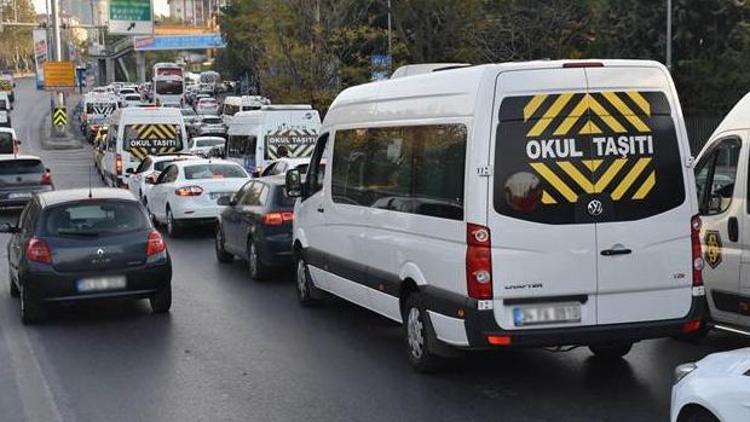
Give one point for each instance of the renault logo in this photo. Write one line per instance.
(595, 208)
(100, 252)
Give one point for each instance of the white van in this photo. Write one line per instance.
(134, 133)
(545, 203)
(721, 175)
(233, 105)
(257, 138)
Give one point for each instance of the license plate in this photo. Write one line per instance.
(101, 283)
(548, 314)
(19, 195)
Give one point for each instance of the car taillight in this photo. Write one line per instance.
(277, 218)
(695, 240)
(189, 191)
(46, 178)
(478, 262)
(118, 164)
(155, 244)
(38, 251)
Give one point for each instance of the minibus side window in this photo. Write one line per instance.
(716, 176)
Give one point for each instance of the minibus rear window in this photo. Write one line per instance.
(572, 158)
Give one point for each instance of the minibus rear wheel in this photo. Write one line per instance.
(419, 336)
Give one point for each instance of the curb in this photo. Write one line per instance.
(51, 144)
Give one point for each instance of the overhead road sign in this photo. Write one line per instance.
(131, 17)
(178, 42)
(59, 116)
(59, 75)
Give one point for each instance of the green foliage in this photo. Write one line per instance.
(308, 50)
(16, 45)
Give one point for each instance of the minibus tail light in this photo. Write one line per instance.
(695, 241)
(478, 262)
(118, 164)
(578, 65)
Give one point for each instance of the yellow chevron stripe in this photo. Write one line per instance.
(576, 175)
(633, 174)
(605, 116)
(573, 117)
(555, 181)
(533, 105)
(646, 187)
(547, 199)
(610, 174)
(592, 165)
(642, 103)
(590, 128)
(551, 113)
(625, 111)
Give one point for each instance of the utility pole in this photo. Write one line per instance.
(669, 35)
(390, 41)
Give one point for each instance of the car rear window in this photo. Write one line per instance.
(93, 218)
(6, 143)
(559, 156)
(208, 142)
(281, 197)
(21, 167)
(213, 171)
(212, 120)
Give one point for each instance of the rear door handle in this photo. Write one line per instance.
(733, 228)
(613, 252)
(321, 210)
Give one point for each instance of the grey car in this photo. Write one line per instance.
(20, 178)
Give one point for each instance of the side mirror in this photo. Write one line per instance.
(225, 201)
(18, 141)
(293, 183)
(129, 171)
(7, 228)
(714, 204)
(150, 181)
(48, 170)
(256, 174)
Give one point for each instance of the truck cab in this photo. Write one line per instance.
(721, 174)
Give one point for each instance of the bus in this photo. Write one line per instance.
(167, 83)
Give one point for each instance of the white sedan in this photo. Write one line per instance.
(201, 144)
(716, 388)
(188, 192)
(144, 176)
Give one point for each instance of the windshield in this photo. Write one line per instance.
(212, 120)
(21, 167)
(152, 138)
(188, 112)
(169, 87)
(208, 142)
(133, 97)
(6, 143)
(94, 218)
(214, 171)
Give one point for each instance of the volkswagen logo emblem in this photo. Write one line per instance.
(595, 208)
(100, 252)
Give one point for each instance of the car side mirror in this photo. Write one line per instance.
(225, 201)
(293, 186)
(150, 181)
(7, 228)
(714, 204)
(18, 141)
(255, 174)
(129, 171)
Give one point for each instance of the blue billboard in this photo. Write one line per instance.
(178, 42)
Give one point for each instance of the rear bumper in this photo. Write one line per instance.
(52, 286)
(479, 325)
(276, 250)
(197, 212)
(7, 199)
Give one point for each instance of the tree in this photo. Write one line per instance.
(16, 44)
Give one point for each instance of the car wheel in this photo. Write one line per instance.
(258, 271)
(696, 414)
(13, 288)
(161, 302)
(611, 351)
(307, 293)
(32, 310)
(417, 330)
(221, 254)
(173, 227)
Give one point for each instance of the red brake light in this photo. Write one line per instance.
(46, 178)
(189, 191)
(478, 262)
(118, 164)
(576, 65)
(691, 326)
(695, 240)
(37, 250)
(277, 218)
(155, 244)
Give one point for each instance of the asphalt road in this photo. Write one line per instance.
(234, 349)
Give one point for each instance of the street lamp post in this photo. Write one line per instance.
(669, 34)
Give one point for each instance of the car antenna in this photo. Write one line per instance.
(90, 194)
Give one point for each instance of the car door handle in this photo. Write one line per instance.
(613, 252)
(321, 210)
(733, 228)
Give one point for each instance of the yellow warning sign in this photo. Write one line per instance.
(713, 248)
(59, 116)
(618, 140)
(59, 75)
(145, 139)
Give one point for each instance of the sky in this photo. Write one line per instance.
(160, 6)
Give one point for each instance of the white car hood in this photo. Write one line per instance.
(734, 362)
